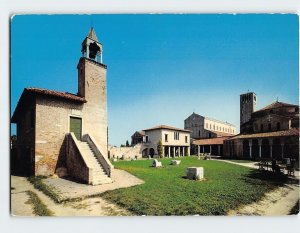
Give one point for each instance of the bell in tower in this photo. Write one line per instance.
(91, 47)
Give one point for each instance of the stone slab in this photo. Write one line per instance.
(195, 173)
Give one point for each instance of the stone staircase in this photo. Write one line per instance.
(98, 173)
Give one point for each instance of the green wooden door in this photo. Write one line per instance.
(75, 127)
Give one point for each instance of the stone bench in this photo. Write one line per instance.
(195, 173)
(175, 162)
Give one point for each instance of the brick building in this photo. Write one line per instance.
(206, 127)
(208, 134)
(137, 137)
(271, 132)
(58, 131)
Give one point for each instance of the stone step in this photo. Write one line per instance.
(99, 173)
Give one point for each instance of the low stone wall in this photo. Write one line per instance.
(76, 165)
(127, 153)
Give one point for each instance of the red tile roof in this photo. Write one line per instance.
(277, 105)
(222, 134)
(282, 133)
(210, 141)
(29, 94)
(64, 95)
(167, 127)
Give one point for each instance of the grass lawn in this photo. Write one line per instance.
(167, 192)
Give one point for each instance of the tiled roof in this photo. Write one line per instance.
(64, 95)
(282, 133)
(29, 94)
(222, 134)
(210, 141)
(167, 127)
(277, 105)
(142, 133)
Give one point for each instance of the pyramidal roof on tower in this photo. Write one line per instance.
(92, 34)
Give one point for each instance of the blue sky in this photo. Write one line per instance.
(161, 68)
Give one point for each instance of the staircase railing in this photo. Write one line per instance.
(107, 166)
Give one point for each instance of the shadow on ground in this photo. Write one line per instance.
(279, 179)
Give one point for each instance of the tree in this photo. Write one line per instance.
(127, 143)
(160, 149)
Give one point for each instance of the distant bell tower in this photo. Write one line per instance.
(92, 86)
(247, 106)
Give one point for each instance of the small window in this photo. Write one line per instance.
(147, 138)
(209, 135)
(261, 127)
(166, 137)
(199, 133)
(269, 127)
(186, 139)
(210, 126)
(206, 125)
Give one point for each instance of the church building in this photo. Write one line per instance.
(271, 132)
(63, 133)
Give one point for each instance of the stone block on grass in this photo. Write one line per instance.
(195, 173)
(175, 162)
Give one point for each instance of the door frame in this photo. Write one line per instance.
(69, 123)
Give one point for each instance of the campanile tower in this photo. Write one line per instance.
(247, 106)
(92, 86)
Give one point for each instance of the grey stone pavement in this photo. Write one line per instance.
(67, 189)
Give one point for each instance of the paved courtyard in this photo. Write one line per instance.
(67, 189)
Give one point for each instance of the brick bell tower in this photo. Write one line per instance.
(247, 106)
(92, 86)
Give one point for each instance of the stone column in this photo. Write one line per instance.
(163, 151)
(188, 151)
(173, 151)
(199, 150)
(250, 148)
(271, 148)
(183, 150)
(282, 149)
(169, 154)
(259, 144)
(219, 149)
(179, 151)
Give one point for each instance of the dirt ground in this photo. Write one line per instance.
(87, 207)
